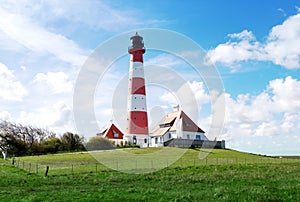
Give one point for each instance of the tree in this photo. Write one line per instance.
(3, 150)
(17, 139)
(72, 141)
(99, 143)
(53, 145)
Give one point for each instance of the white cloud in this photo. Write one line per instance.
(199, 91)
(286, 94)
(92, 14)
(282, 46)
(271, 116)
(56, 117)
(165, 60)
(11, 89)
(32, 36)
(280, 96)
(23, 68)
(95, 14)
(5, 116)
(267, 129)
(282, 11)
(168, 98)
(245, 34)
(62, 115)
(233, 52)
(58, 82)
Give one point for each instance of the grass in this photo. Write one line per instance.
(262, 179)
(137, 160)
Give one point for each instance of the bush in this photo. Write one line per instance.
(99, 143)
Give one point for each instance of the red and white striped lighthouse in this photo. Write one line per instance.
(137, 120)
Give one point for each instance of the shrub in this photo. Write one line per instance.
(99, 143)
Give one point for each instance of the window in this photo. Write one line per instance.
(164, 125)
(156, 140)
(198, 137)
(116, 134)
(134, 139)
(188, 136)
(187, 124)
(145, 140)
(170, 136)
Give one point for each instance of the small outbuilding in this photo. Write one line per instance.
(112, 133)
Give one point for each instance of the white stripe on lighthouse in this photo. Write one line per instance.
(137, 102)
(136, 70)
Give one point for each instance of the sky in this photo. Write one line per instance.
(254, 45)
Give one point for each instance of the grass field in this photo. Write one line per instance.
(235, 176)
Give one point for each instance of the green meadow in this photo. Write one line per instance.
(198, 175)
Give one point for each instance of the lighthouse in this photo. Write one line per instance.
(137, 120)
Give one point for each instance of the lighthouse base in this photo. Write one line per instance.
(141, 140)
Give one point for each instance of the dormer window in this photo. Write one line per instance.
(164, 125)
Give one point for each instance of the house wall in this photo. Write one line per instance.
(193, 135)
(116, 141)
(156, 142)
(174, 135)
(184, 135)
(140, 139)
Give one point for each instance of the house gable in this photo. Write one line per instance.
(112, 132)
(171, 122)
(189, 125)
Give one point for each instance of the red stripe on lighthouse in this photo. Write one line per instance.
(137, 55)
(137, 86)
(138, 122)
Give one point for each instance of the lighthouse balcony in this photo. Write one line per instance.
(136, 48)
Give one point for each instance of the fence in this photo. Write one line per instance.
(138, 166)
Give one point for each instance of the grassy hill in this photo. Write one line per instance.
(235, 176)
(136, 160)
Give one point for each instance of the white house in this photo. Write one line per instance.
(175, 125)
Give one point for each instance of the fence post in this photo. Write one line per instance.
(72, 169)
(37, 168)
(47, 169)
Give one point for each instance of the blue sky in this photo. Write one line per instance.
(255, 45)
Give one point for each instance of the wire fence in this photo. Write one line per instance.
(138, 166)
